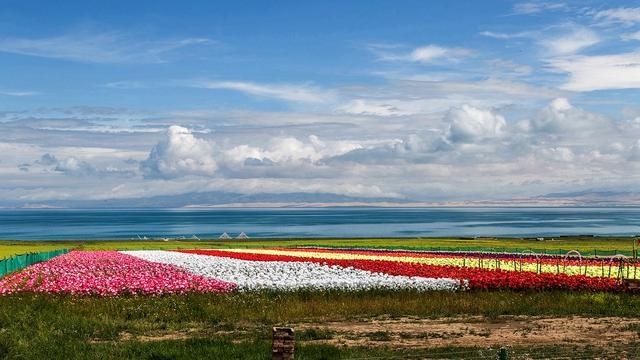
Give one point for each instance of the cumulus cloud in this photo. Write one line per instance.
(561, 117)
(280, 150)
(85, 164)
(72, 165)
(178, 154)
(468, 124)
(47, 160)
(181, 154)
(287, 150)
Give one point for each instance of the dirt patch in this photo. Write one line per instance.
(479, 331)
(182, 334)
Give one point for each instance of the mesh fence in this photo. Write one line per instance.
(560, 252)
(19, 262)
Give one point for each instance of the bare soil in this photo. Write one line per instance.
(479, 331)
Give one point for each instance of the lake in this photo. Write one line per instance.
(52, 224)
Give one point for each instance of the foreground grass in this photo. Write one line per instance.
(238, 325)
(582, 244)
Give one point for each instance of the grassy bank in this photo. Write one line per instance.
(582, 244)
(238, 325)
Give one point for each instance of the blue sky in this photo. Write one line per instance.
(398, 99)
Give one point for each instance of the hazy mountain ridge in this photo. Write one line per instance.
(204, 199)
(222, 199)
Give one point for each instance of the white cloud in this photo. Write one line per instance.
(179, 154)
(369, 107)
(559, 153)
(631, 36)
(505, 36)
(625, 16)
(537, 7)
(425, 54)
(414, 96)
(562, 39)
(468, 124)
(102, 48)
(288, 92)
(600, 72)
(635, 152)
(578, 38)
(506, 66)
(429, 53)
(126, 84)
(18, 93)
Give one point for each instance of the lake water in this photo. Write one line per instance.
(51, 224)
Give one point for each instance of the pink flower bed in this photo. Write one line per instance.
(107, 273)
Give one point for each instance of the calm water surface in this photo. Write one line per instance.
(51, 224)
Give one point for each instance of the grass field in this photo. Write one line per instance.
(238, 325)
(329, 325)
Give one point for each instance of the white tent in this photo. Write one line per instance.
(224, 236)
(242, 236)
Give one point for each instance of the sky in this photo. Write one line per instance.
(410, 100)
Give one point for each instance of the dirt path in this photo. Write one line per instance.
(477, 331)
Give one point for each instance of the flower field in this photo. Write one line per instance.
(156, 272)
(251, 274)
(107, 273)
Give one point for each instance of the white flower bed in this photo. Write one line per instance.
(281, 275)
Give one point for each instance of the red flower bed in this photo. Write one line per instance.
(524, 258)
(477, 278)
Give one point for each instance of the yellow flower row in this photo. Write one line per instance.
(509, 265)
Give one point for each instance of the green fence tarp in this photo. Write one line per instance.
(19, 262)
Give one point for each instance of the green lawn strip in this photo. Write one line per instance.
(582, 244)
(11, 248)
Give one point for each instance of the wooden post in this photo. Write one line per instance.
(283, 345)
(503, 354)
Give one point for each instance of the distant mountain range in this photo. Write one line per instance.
(221, 199)
(206, 199)
(591, 197)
